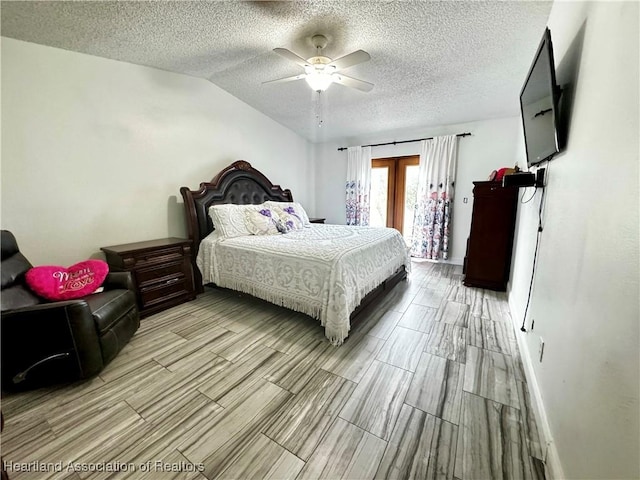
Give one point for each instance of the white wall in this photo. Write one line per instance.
(585, 297)
(493, 144)
(94, 151)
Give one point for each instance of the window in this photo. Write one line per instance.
(394, 184)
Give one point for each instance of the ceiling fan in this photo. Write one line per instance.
(321, 71)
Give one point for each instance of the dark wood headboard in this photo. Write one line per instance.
(240, 184)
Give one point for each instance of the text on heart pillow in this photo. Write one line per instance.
(65, 283)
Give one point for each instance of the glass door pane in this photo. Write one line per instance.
(379, 193)
(410, 193)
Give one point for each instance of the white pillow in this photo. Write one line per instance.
(297, 211)
(288, 219)
(261, 220)
(229, 220)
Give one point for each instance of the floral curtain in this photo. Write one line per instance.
(358, 185)
(432, 216)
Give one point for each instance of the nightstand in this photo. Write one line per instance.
(161, 270)
(317, 220)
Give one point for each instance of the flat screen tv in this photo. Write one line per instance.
(539, 100)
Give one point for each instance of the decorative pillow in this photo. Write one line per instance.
(261, 221)
(289, 217)
(66, 283)
(297, 209)
(282, 226)
(229, 220)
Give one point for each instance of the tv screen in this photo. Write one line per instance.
(539, 105)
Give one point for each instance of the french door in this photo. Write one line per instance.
(394, 185)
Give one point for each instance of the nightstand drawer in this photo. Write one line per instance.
(163, 291)
(149, 275)
(158, 256)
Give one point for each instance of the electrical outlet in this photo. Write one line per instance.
(541, 349)
(465, 200)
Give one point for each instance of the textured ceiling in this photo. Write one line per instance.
(432, 63)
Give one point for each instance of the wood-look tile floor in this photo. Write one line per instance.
(428, 385)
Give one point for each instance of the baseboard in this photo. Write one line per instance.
(552, 459)
(455, 261)
(451, 261)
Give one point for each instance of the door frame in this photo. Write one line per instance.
(390, 163)
(396, 186)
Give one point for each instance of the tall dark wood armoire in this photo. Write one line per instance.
(488, 260)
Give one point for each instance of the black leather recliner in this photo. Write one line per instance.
(47, 342)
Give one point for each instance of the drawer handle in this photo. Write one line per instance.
(171, 280)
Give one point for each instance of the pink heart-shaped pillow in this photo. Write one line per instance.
(60, 283)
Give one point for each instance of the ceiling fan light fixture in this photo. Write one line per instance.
(319, 81)
(321, 71)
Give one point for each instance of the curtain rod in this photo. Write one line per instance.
(467, 134)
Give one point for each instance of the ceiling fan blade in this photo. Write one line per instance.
(288, 54)
(352, 82)
(354, 58)
(287, 79)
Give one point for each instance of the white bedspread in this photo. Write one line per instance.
(323, 270)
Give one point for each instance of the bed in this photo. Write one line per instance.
(329, 272)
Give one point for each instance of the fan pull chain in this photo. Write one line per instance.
(319, 110)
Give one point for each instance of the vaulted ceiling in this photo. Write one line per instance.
(432, 62)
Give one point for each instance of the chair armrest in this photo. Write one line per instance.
(116, 280)
(42, 332)
(47, 308)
